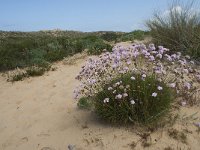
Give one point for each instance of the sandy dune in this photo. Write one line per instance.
(40, 114)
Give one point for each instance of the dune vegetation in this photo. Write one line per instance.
(40, 49)
(141, 80)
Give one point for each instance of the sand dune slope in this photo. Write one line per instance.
(40, 114)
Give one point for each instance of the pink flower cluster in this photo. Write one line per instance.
(177, 71)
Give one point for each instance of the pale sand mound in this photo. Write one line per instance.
(40, 114)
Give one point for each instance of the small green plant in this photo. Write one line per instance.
(18, 77)
(35, 71)
(138, 100)
(84, 103)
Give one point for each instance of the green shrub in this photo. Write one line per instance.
(134, 35)
(179, 30)
(35, 71)
(84, 103)
(110, 36)
(18, 77)
(139, 105)
(98, 47)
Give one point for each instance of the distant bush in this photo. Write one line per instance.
(35, 71)
(134, 35)
(17, 77)
(98, 47)
(179, 29)
(110, 36)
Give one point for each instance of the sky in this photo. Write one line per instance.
(80, 15)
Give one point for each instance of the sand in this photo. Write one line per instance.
(40, 113)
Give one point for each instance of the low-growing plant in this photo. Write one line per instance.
(84, 103)
(177, 135)
(18, 77)
(35, 71)
(20, 74)
(137, 83)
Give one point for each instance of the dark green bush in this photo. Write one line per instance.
(110, 36)
(98, 47)
(134, 35)
(18, 77)
(179, 30)
(84, 103)
(35, 71)
(146, 108)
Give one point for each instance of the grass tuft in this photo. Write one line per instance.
(178, 29)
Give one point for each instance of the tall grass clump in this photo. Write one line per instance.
(178, 28)
(137, 83)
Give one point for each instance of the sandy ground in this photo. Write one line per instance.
(40, 114)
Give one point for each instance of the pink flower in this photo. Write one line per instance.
(160, 88)
(110, 88)
(174, 56)
(119, 96)
(185, 71)
(154, 94)
(126, 68)
(132, 102)
(197, 124)
(152, 47)
(158, 71)
(187, 85)
(151, 58)
(198, 77)
(144, 75)
(192, 62)
(187, 56)
(106, 100)
(135, 53)
(132, 78)
(114, 91)
(128, 62)
(159, 56)
(125, 95)
(183, 103)
(172, 85)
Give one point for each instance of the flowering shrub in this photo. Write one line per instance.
(133, 97)
(136, 82)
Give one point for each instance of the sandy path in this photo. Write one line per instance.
(40, 114)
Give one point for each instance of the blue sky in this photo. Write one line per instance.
(82, 15)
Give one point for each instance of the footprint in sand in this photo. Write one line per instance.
(47, 148)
